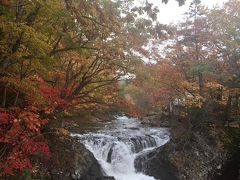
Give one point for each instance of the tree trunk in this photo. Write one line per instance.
(4, 97)
(236, 103)
(229, 106)
(229, 102)
(19, 10)
(16, 99)
(201, 84)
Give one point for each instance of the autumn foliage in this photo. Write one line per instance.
(197, 70)
(53, 96)
(20, 135)
(93, 55)
(59, 54)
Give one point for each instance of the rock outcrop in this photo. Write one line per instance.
(156, 164)
(200, 148)
(197, 159)
(70, 160)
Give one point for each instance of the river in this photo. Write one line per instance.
(117, 143)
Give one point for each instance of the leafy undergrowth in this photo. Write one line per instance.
(21, 137)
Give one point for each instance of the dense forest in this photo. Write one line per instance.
(68, 56)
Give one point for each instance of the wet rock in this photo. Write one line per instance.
(197, 159)
(70, 160)
(109, 156)
(106, 178)
(156, 164)
(132, 128)
(231, 168)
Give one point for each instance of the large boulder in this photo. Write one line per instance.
(157, 164)
(196, 159)
(70, 160)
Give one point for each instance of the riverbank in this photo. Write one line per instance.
(198, 154)
(115, 144)
(70, 160)
(195, 153)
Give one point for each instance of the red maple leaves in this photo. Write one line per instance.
(53, 96)
(19, 132)
(19, 159)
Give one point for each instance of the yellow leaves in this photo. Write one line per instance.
(75, 55)
(108, 97)
(193, 101)
(183, 114)
(61, 132)
(34, 41)
(66, 113)
(191, 86)
(131, 88)
(129, 99)
(214, 86)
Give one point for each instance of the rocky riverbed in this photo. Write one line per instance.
(195, 156)
(70, 160)
(193, 153)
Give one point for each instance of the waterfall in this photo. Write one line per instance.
(116, 149)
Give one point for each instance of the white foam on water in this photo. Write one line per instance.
(117, 149)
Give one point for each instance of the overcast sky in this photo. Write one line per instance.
(172, 13)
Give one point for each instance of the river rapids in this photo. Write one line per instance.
(117, 144)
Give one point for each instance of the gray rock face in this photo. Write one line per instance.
(105, 178)
(197, 161)
(157, 164)
(70, 160)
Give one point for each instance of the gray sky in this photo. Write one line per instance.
(172, 13)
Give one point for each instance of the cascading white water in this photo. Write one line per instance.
(116, 149)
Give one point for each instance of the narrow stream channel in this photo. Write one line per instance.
(117, 143)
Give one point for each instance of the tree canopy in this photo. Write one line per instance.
(60, 54)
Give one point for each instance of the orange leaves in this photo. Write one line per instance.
(214, 86)
(171, 75)
(129, 108)
(193, 101)
(31, 120)
(160, 82)
(192, 87)
(48, 110)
